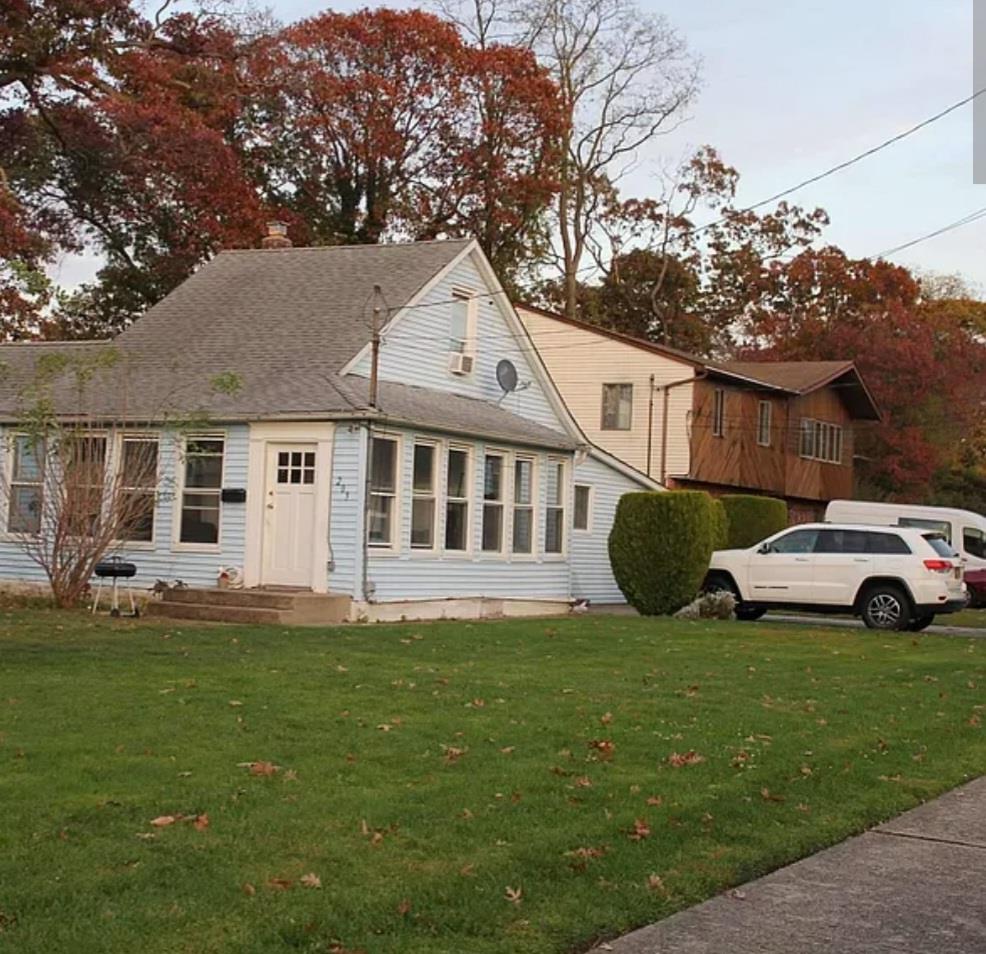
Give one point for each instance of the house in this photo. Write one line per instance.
(456, 483)
(780, 428)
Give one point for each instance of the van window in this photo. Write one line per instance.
(974, 542)
(941, 526)
(940, 546)
(887, 543)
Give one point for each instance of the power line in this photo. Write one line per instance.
(958, 223)
(848, 162)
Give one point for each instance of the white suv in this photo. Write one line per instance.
(895, 578)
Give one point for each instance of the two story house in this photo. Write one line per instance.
(432, 471)
(784, 429)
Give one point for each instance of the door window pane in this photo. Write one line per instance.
(800, 541)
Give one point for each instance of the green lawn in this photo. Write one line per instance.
(499, 787)
(973, 618)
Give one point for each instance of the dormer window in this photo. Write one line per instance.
(462, 333)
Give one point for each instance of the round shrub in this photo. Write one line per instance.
(752, 518)
(660, 547)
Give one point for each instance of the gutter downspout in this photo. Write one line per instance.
(664, 418)
(650, 421)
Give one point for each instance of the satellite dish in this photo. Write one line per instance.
(506, 375)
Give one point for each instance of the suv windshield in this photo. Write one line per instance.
(939, 545)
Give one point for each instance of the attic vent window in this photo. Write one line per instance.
(462, 333)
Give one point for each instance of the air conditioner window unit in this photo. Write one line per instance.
(459, 363)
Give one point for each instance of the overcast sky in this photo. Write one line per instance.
(791, 89)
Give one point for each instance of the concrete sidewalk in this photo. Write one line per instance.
(912, 886)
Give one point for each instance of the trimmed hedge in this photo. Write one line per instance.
(720, 516)
(752, 518)
(660, 547)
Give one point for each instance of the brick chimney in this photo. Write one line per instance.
(276, 237)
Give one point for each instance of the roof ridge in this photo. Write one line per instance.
(360, 245)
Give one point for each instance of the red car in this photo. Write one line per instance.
(975, 581)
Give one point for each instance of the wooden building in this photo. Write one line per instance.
(786, 429)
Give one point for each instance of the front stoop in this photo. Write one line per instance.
(274, 607)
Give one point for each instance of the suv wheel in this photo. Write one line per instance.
(886, 607)
(920, 622)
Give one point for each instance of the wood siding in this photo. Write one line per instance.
(581, 362)
(737, 462)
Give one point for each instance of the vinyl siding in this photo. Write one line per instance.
(581, 361)
(411, 574)
(415, 350)
(163, 560)
(346, 511)
(592, 576)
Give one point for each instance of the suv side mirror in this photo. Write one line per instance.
(765, 548)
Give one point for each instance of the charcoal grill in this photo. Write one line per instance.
(113, 570)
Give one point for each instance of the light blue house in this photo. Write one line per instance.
(463, 487)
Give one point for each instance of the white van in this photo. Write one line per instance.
(964, 530)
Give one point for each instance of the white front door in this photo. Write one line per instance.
(289, 515)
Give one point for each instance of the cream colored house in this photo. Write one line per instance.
(632, 398)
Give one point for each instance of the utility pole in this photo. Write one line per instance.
(378, 303)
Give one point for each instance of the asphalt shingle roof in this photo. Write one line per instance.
(284, 322)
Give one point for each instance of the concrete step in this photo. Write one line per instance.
(214, 613)
(278, 607)
(259, 599)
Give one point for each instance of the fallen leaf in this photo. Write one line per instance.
(201, 822)
(311, 880)
(235, 703)
(737, 894)
(514, 895)
(583, 781)
(640, 830)
(452, 754)
(265, 769)
(162, 821)
(249, 890)
(279, 884)
(507, 749)
(604, 748)
(690, 757)
(655, 800)
(606, 718)
(467, 871)
(404, 908)
(768, 796)
(656, 883)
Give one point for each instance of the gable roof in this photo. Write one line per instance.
(641, 343)
(803, 377)
(284, 322)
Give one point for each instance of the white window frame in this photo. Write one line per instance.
(393, 545)
(765, 420)
(469, 500)
(182, 447)
(468, 344)
(121, 488)
(719, 412)
(564, 502)
(589, 507)
(531, 459)
(616, 426)
(436, 496)
(506, 460)
(10, 453)
(824, 440)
